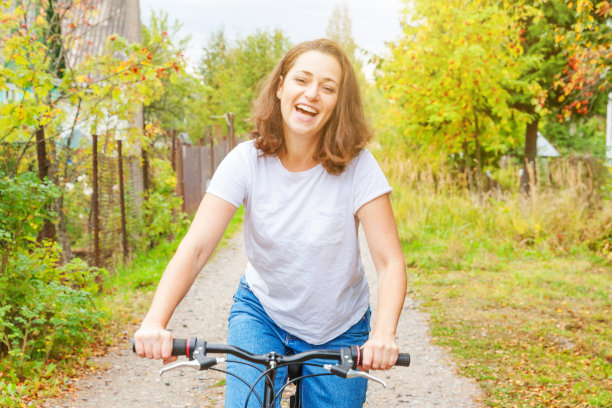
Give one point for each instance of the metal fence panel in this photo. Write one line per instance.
(220, 152)
(193, 178)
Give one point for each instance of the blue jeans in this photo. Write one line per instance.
(250, 328)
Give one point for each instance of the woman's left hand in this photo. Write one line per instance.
(379, 353)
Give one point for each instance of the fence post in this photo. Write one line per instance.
(231, 131)
(94, 201)
(145, 171)
(122, 201)
(173, 149)
(179, 173)
(212, 154)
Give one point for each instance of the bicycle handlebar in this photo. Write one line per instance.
(191, 347)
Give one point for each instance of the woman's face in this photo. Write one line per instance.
(308, 94)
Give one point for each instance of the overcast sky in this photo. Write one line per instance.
(374, 21)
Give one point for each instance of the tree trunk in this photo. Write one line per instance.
(529, 176)
(48, 230)
(4, 263)
(145, 160)
(468, 166)
(479, 172)
(478, 154)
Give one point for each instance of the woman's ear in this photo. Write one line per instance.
(279, 90)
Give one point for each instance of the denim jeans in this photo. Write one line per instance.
(250, 328)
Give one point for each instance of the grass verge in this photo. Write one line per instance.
(517, 289)
(533, 332)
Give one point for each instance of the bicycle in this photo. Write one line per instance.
(347, 361)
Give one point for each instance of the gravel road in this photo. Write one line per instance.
(127, 381)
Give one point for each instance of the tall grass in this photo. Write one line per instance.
(517, 287)
(436, 210)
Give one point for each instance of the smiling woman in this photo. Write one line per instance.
(308, 96)
(306, 182)
(312, 93)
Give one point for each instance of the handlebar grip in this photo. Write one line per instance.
(403, 360)
(179, 347)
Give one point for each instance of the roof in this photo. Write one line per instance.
(119, 17)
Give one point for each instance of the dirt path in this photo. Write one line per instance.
(131, 382)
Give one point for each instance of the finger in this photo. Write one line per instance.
(148, 350)
(138, 347)
(394, 356)
(366, 359)
(166, 347)
(157, 351)
(376, 359)
(170, 359)
(391, 354)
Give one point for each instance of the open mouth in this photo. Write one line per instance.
(306, 110)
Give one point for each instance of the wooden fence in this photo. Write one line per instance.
(195, 164)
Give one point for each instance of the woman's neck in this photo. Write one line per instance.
(298, 154)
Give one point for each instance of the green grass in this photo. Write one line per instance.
(515, 289)
(534, 333)
(146, 269)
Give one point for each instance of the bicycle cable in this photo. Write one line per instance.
(280, 391)
(252, 389)
(245, 383)
(250, 365)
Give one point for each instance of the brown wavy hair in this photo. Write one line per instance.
(345, 133)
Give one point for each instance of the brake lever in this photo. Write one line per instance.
(350, 373)
(353, 374)
(180, 364)
(202, 364)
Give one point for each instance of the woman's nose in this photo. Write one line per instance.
(312, 91)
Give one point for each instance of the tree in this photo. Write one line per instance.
(571, 42)
(340, 29)
(59, 81)
(449, 79)
(179, 105)
(234, 71)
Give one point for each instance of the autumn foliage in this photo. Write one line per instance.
(467, 77)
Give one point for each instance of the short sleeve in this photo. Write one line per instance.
(231, 179)
(369, 181)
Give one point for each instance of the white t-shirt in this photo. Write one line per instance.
(300, 236)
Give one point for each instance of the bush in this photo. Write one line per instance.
(162, 207)
(46, 309)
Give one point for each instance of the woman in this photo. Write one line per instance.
(306, 182)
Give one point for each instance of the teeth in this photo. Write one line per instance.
(307, 109)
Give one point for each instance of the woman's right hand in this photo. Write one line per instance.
(155, 342)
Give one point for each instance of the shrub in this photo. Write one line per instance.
(46, 309)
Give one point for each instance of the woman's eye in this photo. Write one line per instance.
(329, 89)
(300, 80)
